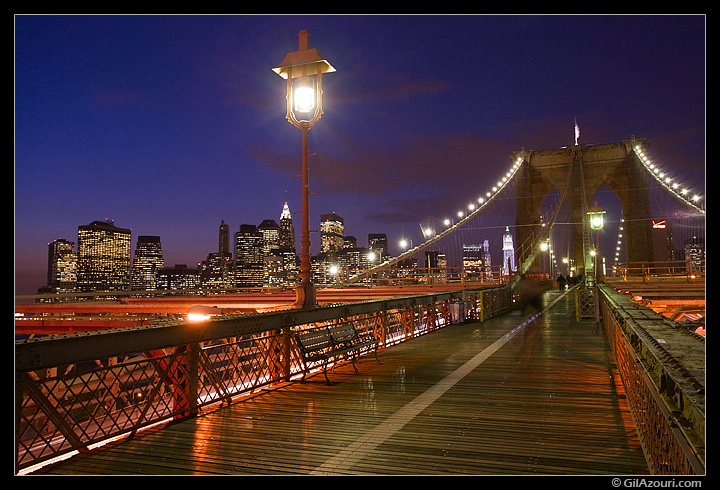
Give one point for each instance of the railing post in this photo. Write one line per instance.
(481, 306)
(193, 372)
(286, 339)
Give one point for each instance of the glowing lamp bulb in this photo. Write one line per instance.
(304, 99)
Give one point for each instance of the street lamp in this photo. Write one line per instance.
(597, 223)
(303, 71)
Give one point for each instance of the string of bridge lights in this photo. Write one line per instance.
(431, 235)
(489, 195)
(672, 186)
(618, 247)
(679, 191)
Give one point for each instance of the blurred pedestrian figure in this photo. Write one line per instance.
(561, 283)
(530, 293)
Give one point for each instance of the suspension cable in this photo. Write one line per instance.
(450, 230)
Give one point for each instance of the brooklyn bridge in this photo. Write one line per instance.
(440, 371)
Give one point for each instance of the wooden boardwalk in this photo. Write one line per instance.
(465, 400)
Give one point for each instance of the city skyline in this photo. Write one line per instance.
(170, 124)
(145, 253)
(226, 243)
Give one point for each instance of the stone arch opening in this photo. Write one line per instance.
(580, 172)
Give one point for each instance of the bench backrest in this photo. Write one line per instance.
(315, 340)
(344, 333)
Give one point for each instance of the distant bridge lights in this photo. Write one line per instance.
(665, 180)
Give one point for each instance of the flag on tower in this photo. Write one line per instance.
(577, 131)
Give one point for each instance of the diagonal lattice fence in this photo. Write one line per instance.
(75, 391)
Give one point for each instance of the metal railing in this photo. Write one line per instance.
(76, 391)
(79, 390)
(690, 270)
(665, 397)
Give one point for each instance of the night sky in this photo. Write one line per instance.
(170, 124)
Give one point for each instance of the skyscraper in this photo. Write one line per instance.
(377, 242)
(508, 253)
(332, 232)
(473, 257)
(224, 238)
(270, 232)
(287, 232)
(146, 264)
(216, 271)
(249, 257)
(62, 266)
(103, 257)
(487, 261)
(178, 278)
(436, 263)
(694, 254)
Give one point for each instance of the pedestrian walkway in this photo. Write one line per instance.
(501, 397)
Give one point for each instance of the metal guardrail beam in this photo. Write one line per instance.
(45, 352)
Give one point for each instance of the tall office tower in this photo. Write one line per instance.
(291, 266)
(224, 238)
(436, 262)
(662, 240)
(280, 268)
(62, 266)
(103, 257)
(249, 257)
(694, 252)
(287, 232)
(217, 270)
(473, 256)
(332, 232)
(486, 259)
(352, 260)
(178, 278)
(508, 253)
(349, 242)
(270, 232)
(377, 242)
(435, 259)
(146, 264)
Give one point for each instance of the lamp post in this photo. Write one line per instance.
(544, 247)
(597, 223)
(303, 71)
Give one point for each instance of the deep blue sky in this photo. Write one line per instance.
(170, 124)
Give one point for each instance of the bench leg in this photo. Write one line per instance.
(376, 356)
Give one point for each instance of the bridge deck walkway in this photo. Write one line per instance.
(467, 399)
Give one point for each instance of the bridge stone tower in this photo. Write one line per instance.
(584, 169)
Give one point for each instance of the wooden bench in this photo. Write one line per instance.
(320, 345)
